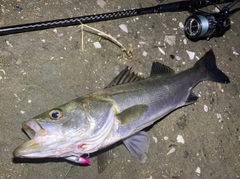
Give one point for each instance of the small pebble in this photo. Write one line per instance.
(159, 59)
(190, 54)
(8, 43)
(97, 45)
(144, 53)
(161, 50)
(60, 34)
(172, 56)
(155, 139)
(178, 58)
(123, 27)
(18, 9)
(180, 139)
(198, 171)
(205, 107)
(184, 41)
(142, 43)
(181, 26)
(170, 39)
(171, 151)
(216, 10)
(17, 97)
(165, 137)
(219, 116)
(185, 154)
(55, 30)
(18, 62)
(235, 51)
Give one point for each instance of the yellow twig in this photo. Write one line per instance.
(109, 37)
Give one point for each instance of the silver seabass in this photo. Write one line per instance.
(119, 112)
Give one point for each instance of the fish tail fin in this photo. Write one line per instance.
(208, 63)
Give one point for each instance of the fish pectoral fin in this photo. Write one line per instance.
(192, 98)
(138, 145)
(132, 114)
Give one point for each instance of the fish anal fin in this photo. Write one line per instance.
(160, 69)
(132, 114)
(138, 145)
(125, 76)
(192, 98)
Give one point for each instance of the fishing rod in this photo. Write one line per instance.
(200, 25)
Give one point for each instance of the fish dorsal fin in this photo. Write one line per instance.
(125, 76)
(160, 69)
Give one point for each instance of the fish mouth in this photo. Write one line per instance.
(33, 128)
(41, 135)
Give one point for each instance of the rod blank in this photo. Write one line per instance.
(170, 7)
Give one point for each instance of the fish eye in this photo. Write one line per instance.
(55, 114)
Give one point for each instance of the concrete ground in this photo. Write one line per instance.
(43, 69)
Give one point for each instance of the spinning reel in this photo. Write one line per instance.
(203, 25)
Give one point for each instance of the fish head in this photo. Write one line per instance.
(59, 132)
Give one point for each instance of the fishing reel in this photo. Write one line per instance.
(202, 25)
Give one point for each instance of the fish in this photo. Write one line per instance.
(119, 112)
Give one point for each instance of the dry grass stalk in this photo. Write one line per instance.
(128, 53)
